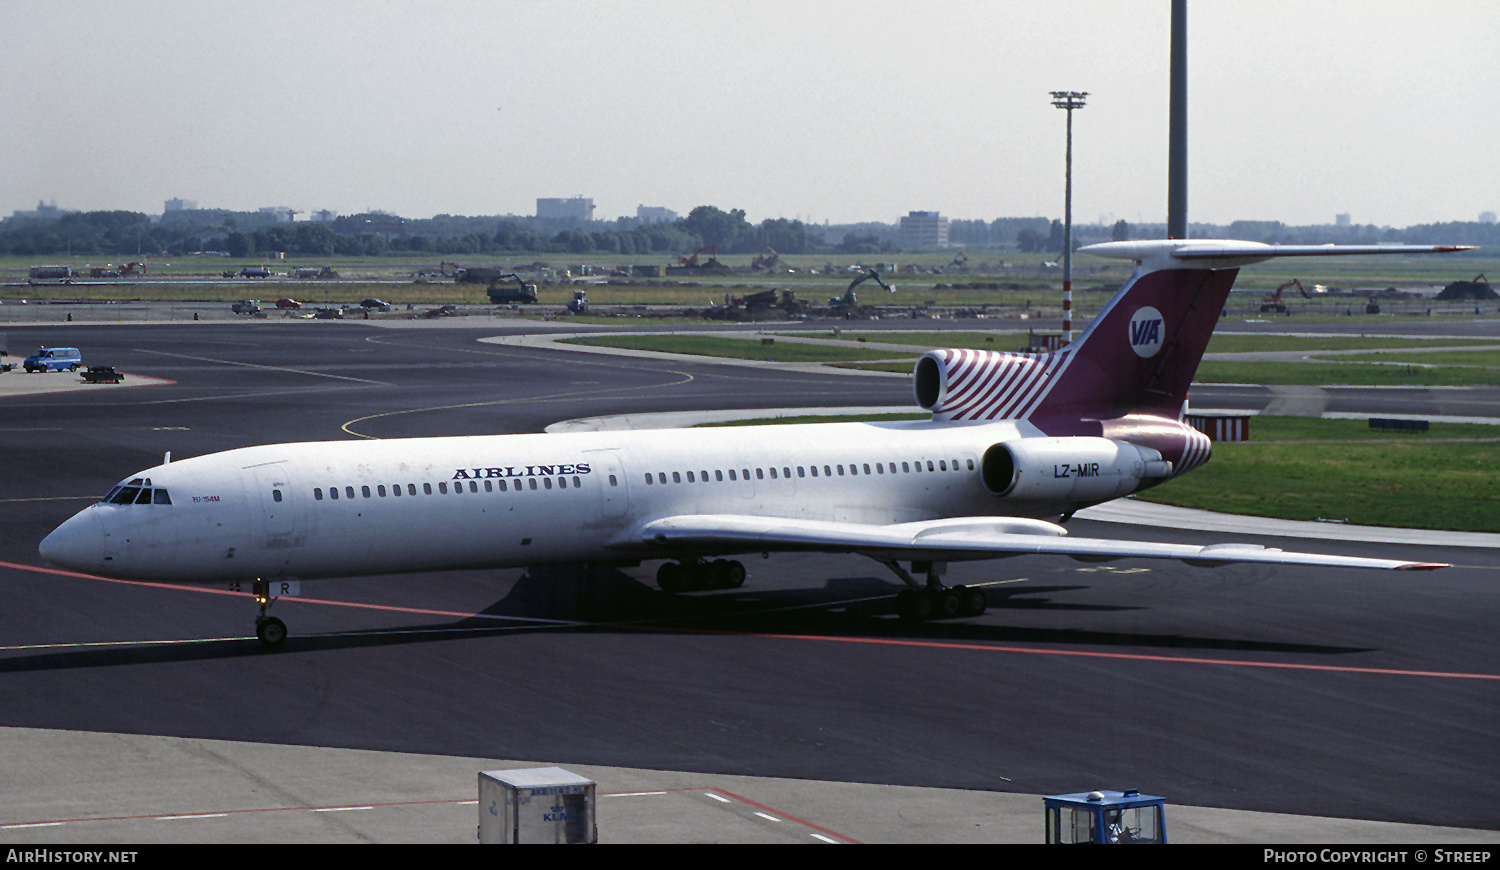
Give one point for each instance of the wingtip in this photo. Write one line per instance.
(1423, 566)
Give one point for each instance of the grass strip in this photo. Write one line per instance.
(1343, 373)
(734, 348)
(1308, 469)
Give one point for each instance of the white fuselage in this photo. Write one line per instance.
(366, 507)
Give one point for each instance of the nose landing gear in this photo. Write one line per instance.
(269, 629)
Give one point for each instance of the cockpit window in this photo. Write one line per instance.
(136, 494)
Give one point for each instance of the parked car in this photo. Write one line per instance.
(102, 375)
(288, 303)
(54, 359)
(246, 306)
(374, 305)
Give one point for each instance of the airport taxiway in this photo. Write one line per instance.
(1309, 696)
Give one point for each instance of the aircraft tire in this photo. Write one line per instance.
(947, 604)
(918, 607)
(670, 577)
(973, 601)
(271, 631)
(906, 605)
(725, 574)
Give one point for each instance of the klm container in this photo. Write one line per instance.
(536, 805)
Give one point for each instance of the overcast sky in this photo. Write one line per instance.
(823, 110)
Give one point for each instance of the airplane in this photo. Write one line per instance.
(1017, 443)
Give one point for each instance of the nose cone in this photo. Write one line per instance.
(77, 543)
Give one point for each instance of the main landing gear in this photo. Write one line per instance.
(269, 629)
(688, 576)
(932, 600)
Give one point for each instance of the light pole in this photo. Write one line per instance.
(1068, 101)
(1177, 227)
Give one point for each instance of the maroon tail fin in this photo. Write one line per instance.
(1140, 353)
(1137, 356)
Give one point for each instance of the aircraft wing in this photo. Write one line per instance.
(956, 539)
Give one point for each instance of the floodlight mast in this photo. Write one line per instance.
(1068, 101)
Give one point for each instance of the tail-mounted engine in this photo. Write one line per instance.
(1073, 469)
(960, 384)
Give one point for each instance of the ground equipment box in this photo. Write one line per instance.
(536, 805)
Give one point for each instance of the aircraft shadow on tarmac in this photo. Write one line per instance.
(584, 599)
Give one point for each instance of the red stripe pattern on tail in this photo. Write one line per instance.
(986, 385)
(1194, 452)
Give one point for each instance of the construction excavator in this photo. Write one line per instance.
(849, 300)
(1273, 303)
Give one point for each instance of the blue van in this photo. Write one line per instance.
(54, 359)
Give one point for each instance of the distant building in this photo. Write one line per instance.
(1341, 220)
(1486, 217)
(323, 216)
(577, 208)
(650, 214)
(924, 229)
(377, 223)
(44, 211)
(175, 204)
(282, 213)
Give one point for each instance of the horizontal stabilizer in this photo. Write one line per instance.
(1224, 254)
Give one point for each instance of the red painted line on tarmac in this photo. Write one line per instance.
(208, 814)
(189, 816)
(788, 816)
(1136, 657)
(213, 591)
(929, 644)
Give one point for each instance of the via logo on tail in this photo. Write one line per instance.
(1145, 332)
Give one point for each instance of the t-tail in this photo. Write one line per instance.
(1126, 376)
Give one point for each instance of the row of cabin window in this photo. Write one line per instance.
(442, 488)
(828, 471)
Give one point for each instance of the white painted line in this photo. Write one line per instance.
(634, 794)
(825, 839)
(31, 825)
(339, 809)
(722, 800)
(196, 816)
(766, 817)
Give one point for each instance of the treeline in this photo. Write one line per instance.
(124, 235)
(244, 234)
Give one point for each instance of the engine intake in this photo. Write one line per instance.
(1073, 469)
(962, 384)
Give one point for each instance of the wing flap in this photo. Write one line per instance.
(955, 539)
